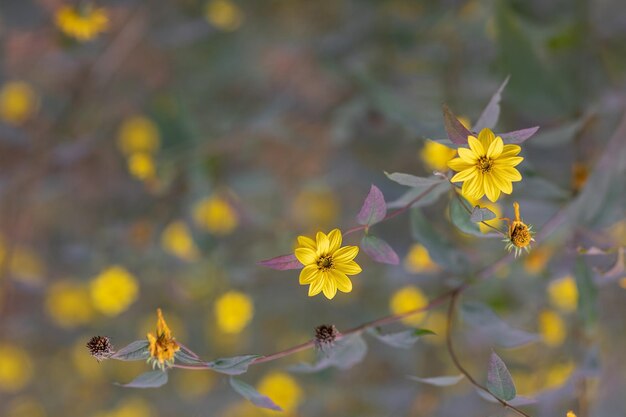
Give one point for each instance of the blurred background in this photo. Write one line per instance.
(152, 152)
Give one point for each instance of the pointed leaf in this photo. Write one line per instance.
(457, 133)
(431, 196)
(412, 180)
(251, 394)
(518, 401)
(499, 381)
(152, 379)
(490, 115)
(461, 218)
(439, 381)
(135, 351)
(379, 250)
(347, 352)
(484, 321)
(282, 263)
(185, 355)
(402, 340)
(482, 214)
(374, 208)
(232, 366)
(518, 136)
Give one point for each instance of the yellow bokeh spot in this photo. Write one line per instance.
(552, 328)
(437, 322)
(113, 290)
(233, 311)
(622, 283)
(26, 266)
(283, 389)
(193, 385)
(537, 259)
(82, 23)
(142, 166)
(418, 260)
(138, 134)
(16, 368)
(436, 156)
(406, 299)
(18, 102)
(133, 407)
(570, 414)
(558, 374)
(68, 303)
(315, 208)
(25, 407)
(563, 293)
(224, 15)
(215, 215)
(176, 239)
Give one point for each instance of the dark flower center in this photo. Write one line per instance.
(325, 262)
(485, 164)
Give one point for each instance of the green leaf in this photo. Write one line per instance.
(135, 351)
(499, 381)
(439, 381)
(402, 340)
(379, 250)
(248, 392)
(346, 352)
(484, 321)
(232, 366)
(152, 379)
(587, 292)
(184, 355)
(461, 218)
(481, 214)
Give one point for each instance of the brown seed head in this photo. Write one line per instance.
(100, 347)
(325, 335)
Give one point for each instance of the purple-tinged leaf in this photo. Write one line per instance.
(379, 250)
(135, 351)
(414, 181)
(152, 379)
(282, 263)
(499, 381)
(457, 133)
(232, 366)
(438, 381)
(374, 208)
(518, 136)
(491, 113)
(252, 395)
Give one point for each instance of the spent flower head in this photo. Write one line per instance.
(326, 263)
(162, 347)
(100, 347)
(487, 167)
(325, 336)
(519, 235)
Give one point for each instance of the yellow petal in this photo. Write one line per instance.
(468, 156)
(475, 187)
(316, 286)
(306, 256)
(458, 164)
(334, 238)
(342, 282)
(330, 289)
(509, 173)
(510, 150)
(308, 274)
(464, 175)
(510, 161)
(322, 243)
(490, 189)
(476, 146)
(348, 268)
(345, 254)
(485, 137)
(495, 149)
(501, 182)
(306, 242)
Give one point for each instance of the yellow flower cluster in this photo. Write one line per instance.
(81, 23)
(139, 139)
(18, 102)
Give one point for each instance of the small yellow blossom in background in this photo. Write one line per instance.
(558, 374)
(194, 385)
(138, 134)
(18, 102)
(68, 303)
(142, 166)
(113, 290)
(162, 347)
(580, 173)
(224, 15)
(418, 260)
(563, 294)
(552, 328)
(81, 23)
(315, 208)
(25, 407)
(537, 260)
(233, 311)
(622, 283)
(283, 389)
(176, 240)
(16, 368)
(406, 299)
(436, 156)
(570, 414)
(487, 167)
(520, 235)
(326, 264)
(215, 215)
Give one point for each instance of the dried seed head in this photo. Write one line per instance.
(325, 336)
(100, 347)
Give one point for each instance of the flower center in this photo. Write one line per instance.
(484, 164)
(520, 236)
(325, 262)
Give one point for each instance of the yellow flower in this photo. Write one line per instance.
(82, 24)
(68, 303)
(552, 328)
(436, 156)
(537, 260)
(114, 290)
(138, 134)
(406, 299)
(233, 311)
(418, 260)
(283, 389)
(224, 15)
(326, 263)
(142, 166)
(215, 215)
(18, 101)
(163, 347)
(563, 293)
(176, 239)
(519, 235)
(570, 414)
(16, 368)
(487, 167)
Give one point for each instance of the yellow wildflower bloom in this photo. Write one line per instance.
(113, 290)
(487, 167)
(224, 15)
(552, 328)
(406, 299)
(519, 235)
(16, 368)
(162, 347)
(563, 293)
(68, 303)
(176, 239)
(215, 215)
(418, 260)
(138, 134)
(326, 263)
(82, 24)
(570, 413)
(233, 311)
(142, 166)
(18, 101)
(537, 260)
(436, 156)
(283, 389)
